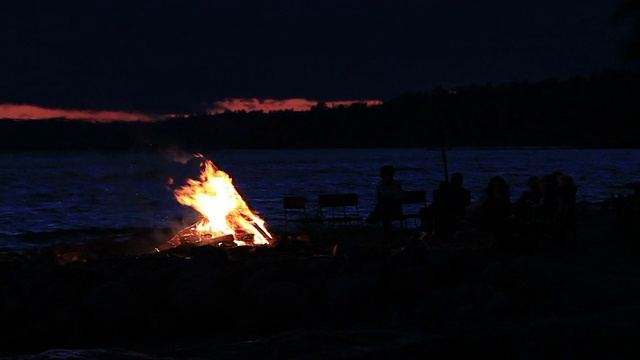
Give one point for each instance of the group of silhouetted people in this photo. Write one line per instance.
(544, 211)
(547, 207)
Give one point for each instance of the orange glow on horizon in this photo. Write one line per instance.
(34, 112)
(267, 105)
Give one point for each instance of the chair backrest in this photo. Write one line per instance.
(295, 207)
(414, 197)
(294, 202)
(412, 202)
(338, 200)
(340, 207)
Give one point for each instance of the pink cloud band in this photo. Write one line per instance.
(34, 112)
(267, 105)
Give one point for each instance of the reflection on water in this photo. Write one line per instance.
(72, 190)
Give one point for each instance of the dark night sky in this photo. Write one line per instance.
(180, 56)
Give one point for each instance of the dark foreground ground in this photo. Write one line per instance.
(305, 299)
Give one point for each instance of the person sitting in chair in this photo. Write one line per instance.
(388, 200)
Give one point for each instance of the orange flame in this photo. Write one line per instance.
(224, 211)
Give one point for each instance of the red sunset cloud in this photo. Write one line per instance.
(268, 105)
(34, 112)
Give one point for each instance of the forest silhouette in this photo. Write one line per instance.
(597, 111)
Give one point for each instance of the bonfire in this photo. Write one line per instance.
(226, 218)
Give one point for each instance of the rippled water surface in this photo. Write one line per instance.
(71, 190)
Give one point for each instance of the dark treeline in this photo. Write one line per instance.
(602, 110)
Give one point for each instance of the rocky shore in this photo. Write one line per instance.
(344, 297)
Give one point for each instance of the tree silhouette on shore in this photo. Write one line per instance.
(629, 10)
(596, 111)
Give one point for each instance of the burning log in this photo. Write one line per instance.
(227, 220)
(192, 237)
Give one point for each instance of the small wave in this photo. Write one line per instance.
(25, 241)
(89, 354)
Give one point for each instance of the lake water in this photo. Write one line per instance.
(45, 192)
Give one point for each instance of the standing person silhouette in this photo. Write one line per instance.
(461, 196)
(388, 200)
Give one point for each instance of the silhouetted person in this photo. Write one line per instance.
(545, 210)
(556, 175)
(523, 207)
(496, 208)
(443, 215)
(460, 196)
(565, 219)
(388, 200)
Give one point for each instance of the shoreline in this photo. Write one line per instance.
(199, 301)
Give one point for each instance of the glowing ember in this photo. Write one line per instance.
(226, 216)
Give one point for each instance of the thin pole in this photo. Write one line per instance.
(443, 151)
(444, 163)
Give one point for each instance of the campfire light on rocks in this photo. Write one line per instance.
(227, 220)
